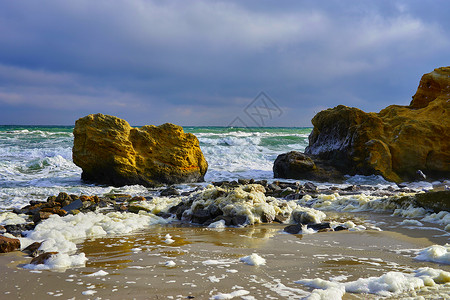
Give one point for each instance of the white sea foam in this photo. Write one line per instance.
(239, 293)
(435, 253)
(364, 202)
(218, 262)
(170, 264)
(60, 261)
(386, 285)
(97, 274)
(60, 234)
(9, 218)
(168, 239)
(410, 222)
(253, 260)
(217, 225)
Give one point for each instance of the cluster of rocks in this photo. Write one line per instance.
(296, 190)
(400, 143)
(64, 204)
(241, 204)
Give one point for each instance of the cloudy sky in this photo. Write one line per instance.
(204, 62)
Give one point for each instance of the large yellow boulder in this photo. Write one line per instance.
(397, 142)
(110, 151)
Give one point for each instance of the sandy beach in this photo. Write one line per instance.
(204, 263)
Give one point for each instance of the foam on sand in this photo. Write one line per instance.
(98, 273)
(253, 260)
(238, 293)
(168, 239)
(435, 253)
(386, 285)
(60, 234)
(363, 202)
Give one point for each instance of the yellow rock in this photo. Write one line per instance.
(110, 151)
(395, 143)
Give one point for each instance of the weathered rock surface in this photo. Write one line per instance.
(110, 151)
(434, 201)
(295, 165)
(41, 259)
(396, 143)
(8, 244)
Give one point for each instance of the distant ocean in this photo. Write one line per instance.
(36, 161)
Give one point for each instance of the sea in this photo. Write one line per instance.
(388, 251)
(36, 161)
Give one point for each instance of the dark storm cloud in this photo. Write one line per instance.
(202, 62)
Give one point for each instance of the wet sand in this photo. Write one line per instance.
(206, 262)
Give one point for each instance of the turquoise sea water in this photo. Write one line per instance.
(36, 161)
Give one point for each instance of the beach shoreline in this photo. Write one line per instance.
(206, 262)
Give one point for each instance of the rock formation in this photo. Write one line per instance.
(110, 151)
(398, 143)
(295, 164)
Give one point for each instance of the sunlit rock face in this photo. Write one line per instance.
(401, 143)
(110, 151)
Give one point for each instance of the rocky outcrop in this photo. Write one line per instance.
(110, 151)
(400, 143)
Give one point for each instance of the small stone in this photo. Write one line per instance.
(135, 209)
(340, 228)
(8, 244)
(287, 191)
(62, 197)
(309, 186)
(200, 216)
(163, 215)
(77, 204)
(267, 218)
(137, 199)
(239, 220)
(41, 215)
(32, 249)
(281, 218)
(55, 210)
(295, 196)
(87, 204)
(274, 187)
(66, 202)
(243, 181)
(170, 191)
(303, 217)
(214, 211)
(320, 226)
(180, 211)
(41, 259)
(17, 229)
(293, 229)
(227, 219)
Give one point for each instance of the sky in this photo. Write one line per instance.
(213, 63)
